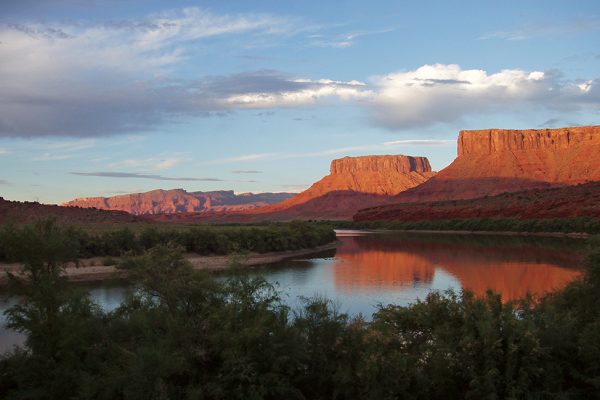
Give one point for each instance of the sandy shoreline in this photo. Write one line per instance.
(89, 271)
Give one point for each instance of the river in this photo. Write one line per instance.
(390, 268)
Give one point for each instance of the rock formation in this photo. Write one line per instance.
(354, 183)
(494, 161)
(180, 201)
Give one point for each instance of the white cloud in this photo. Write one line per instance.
(151, 163)
(3, 151)
(344, 40)
(586, 86)
(72, 145)
(248, 157)
(307, 92)
(95, 79)
(444, 93)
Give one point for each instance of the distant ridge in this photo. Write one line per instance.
(180, 201)
(27, 212)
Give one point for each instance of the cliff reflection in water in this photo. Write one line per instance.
(511, 266)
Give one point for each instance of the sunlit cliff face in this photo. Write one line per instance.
(365, 264)
(495, 161)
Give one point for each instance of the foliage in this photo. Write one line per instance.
(181, 334)
(203, 240)
(565, 225)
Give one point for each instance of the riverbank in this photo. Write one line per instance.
(90, 271)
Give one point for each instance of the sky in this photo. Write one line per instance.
(100, 98)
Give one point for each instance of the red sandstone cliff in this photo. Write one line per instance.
(180, 201)
(494, 161)
(354, 183)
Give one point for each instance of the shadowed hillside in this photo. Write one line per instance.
(569, 201)
(27, 212)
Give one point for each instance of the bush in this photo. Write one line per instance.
(209, 240)
(183, 334)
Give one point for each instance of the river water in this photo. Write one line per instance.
(383, 268)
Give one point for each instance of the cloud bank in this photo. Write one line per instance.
(445, 93)
(120, 77)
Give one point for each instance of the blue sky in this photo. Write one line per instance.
(99, 98)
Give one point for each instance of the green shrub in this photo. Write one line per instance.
(184, 334)
(205, 240)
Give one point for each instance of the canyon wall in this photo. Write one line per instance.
(500, 140)
(495, 161)
(381, 175)
(368, 164)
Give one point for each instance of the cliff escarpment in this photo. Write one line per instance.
(495, 161)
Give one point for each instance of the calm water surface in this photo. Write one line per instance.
(372, 269)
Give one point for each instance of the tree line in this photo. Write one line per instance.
(203, 240)
(184, 335)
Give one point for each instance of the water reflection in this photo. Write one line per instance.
(505, 265)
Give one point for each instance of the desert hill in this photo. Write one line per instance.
(180, 201)
(495, 161)
(27, 212)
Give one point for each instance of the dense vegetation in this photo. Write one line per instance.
(203, 240)
(183, 335)
(565, 225)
